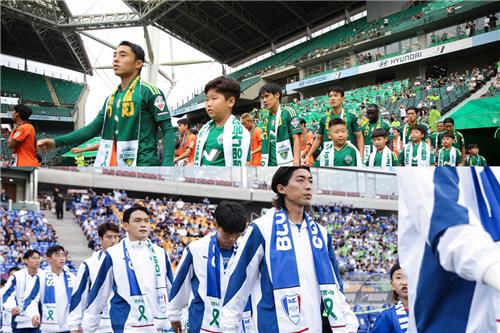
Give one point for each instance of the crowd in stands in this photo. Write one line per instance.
(365, 242)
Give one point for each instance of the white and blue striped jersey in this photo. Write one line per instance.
(449, 233)
(251, 275)
(112, 281)
(87, 273)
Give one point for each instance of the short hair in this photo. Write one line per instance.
(449, 121)
(396, 129)
(472, 146)
(418, 127)
(449, 135)
(379, 132)
(128, 212)
(246, 116)
(13, 269)
(108, 226)
(225, 86)
(282, 177)
(183, 121)
(231, 217)
(272, 88)
(54, 249)
(372, 106)
(336, 121)
(336, 89)
(393, 270)
(137, 49)
(23, 111)
(28, 254)
(194, 131)
(412, 108)
(303, 121)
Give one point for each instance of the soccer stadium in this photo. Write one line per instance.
(359, 209)
(396, 54)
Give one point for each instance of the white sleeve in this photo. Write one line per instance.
(38, 288)
(468, 251)
(99, 295)
(351, 321)
(181, 288)
(8, 294)
(243, 275)
(79, 297)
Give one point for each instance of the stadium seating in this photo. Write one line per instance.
(31, 86)
(67, 92)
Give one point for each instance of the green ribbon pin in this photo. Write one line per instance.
(329, 308)
(50, 314)
(141, 312)
(215, 317)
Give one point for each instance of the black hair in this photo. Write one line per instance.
(54, 249)
(472, 146)
(231, 217)
(272, 88)
(393, 270)
(28, 254)
(372, 106)
(379, 132)
(183, 121)
(449, 120)
(449, 135)
(128, 212)
(397, 129)
(412, 108)
(13, 269)
(282, 177)
(302, 121)
(23, 111)
(418, 127)
(336, 121)
(108, 226)
(137, 49)
(194, 131)
(225, 86)
(336, 89)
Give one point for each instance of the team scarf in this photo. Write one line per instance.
(280, 138)
(285, 275)
(477, 160)
(211, 316)
(423, 157)
(452, 156)
(235, 140)
(386, 158)
(402, 316)
(138, 305)
(49, 315)
(327, 156)
(122, 127)
(22, 298)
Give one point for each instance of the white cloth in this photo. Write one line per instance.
(112, 275)
(87, 273)
(440, 229)
(62, 302)
(386, 158)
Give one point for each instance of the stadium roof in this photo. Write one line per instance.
(233, 31)
(27, 32)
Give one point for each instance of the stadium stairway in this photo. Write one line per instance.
(70, 236)
(481, 91)
(52, 92)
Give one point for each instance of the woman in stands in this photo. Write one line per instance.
(395, 319)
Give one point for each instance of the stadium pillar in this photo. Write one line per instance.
(421, 40)
(152, 37)
(353, 59)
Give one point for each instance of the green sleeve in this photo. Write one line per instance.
(462, 141)
(354, 124)
(484, 161)
(459, 157)
(168, 142)
(401, 158)
(293, 123)
(83, 134)
(316, 163)
(432, 159)
(394, 159)
(322, 126)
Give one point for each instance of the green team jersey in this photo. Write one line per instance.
(406, 130)
(434, 139)
(414, 160)
(458, 143)
(368, 127)
(154, 113)
(346, 156)
(475, 160)
(378, 159)
(289, 126)
(213, 151)
(350, 119)
(446, 157)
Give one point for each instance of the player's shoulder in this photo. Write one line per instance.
(150, 88)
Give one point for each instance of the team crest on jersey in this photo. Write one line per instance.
(160, 102)
(128, 155)
(348, 159)
(291, 306)
(295, 122)
(220, 139)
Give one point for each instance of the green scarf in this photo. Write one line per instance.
(121, 124)
(284, 152)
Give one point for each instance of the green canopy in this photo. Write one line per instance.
(479, 113)
(91, 142)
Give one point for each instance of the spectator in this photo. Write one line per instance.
(4, 197)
